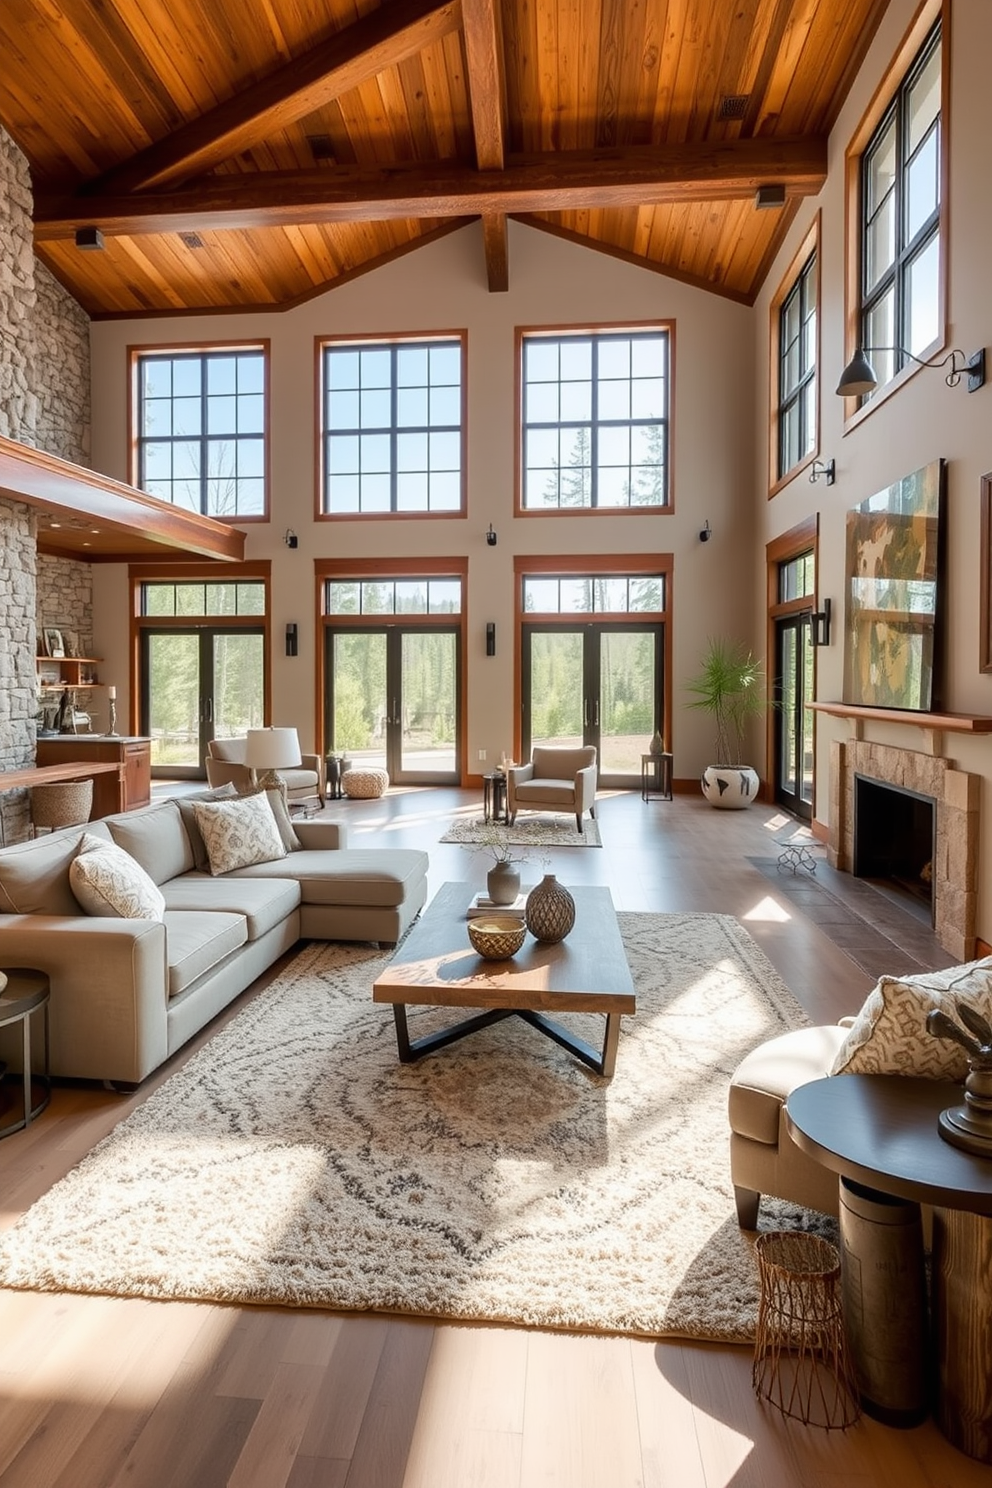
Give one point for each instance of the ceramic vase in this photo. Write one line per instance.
(730, 787)
(503, 883)
(657, 745)
(550, 912)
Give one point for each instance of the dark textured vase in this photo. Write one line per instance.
(550, 912)
(503, 883)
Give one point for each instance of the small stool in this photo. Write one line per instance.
(24, 992)
(656, 777)
(494, 797)
(364, 785)
(796, 854)
(801, 1363)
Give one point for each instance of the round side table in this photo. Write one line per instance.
(26, 993)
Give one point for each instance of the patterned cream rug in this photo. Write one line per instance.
(540, 829)
(294, 1160)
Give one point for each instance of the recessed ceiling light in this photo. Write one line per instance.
(55, 524)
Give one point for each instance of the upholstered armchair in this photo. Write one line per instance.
(225, 764)
(556, 778)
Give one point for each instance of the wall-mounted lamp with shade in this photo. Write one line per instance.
(705, 533)
(270, 750)
(491, 537)
(819, 624)
(858, 377)
(824, 468)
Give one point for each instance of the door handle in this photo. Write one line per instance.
(595, 714)
(208, 710)
(585, 712)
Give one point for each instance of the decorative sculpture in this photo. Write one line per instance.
(968, 1126)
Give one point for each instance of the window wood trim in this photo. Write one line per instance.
(926, 18)
(802, 538)
(392, 568)
(594, 329)
(809, 245)
(389, 338)
(198, 348)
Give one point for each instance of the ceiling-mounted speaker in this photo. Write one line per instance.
(89, 238)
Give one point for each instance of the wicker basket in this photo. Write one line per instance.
(61, 803)
(496, 937)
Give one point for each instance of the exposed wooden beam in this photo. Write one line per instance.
(719, 170)
(497, 252)
(484, 57)
(47, 482)
(377, 41)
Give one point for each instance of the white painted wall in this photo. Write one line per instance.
(441, 287)
(924, 419)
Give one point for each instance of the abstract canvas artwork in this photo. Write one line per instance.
(892, 625)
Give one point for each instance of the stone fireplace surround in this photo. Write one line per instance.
(956, 795)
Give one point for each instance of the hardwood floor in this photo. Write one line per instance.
(104, 1392)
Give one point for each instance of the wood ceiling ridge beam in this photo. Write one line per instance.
(482, 32)
(716, 170)
(379, 40)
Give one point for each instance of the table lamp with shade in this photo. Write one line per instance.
(270, 750)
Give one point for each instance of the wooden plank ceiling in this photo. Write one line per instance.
(234, 153)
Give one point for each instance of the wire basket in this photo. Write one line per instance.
(801, 1362)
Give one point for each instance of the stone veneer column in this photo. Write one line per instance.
(44, 402)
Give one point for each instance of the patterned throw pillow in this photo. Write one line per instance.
(889, 1035)
(238, 833)
(107, 881)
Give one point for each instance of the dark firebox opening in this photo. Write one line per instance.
(894, 838)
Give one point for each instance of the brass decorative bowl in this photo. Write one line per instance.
(497, 936)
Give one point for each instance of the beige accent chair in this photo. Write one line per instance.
(763, 1157)
(225, 765)
(556, 779)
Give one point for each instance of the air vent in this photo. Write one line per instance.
(733, 105)
(321, 146)
(192, 240)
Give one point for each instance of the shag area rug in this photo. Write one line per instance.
(293, 1160)
(546, 829)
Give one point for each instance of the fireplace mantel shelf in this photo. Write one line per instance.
(957, 723)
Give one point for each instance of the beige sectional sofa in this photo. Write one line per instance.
(127, 993)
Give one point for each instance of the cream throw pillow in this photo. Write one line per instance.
(238, 833)
(889, 1036)
(108, 881)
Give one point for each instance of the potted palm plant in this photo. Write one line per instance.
(730, 687)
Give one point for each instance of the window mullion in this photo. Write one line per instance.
(594, 426)
(204, 507)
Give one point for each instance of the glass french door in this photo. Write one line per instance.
(197, 685)
(394, 700)
(794, 715)
(600, 683)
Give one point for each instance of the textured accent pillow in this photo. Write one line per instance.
(201, 861)
(238, 833)
(889, 1036)
(284, 821)
(107, 881)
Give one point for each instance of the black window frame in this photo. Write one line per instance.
(597, 338)
(907, 252)
(204, 355)
(804, 290)
(394, 345)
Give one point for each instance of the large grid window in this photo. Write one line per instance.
(183, 600)
(201, 430)
(419, 596)
(392, 427)
(595, 419)
(900, 220)
(797, 371)
(592, 594)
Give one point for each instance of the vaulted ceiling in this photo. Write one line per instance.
(253, 153)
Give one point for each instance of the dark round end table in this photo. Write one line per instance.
(26, 993)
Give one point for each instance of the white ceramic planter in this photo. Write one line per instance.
(731, 787)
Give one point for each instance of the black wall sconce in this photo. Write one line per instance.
(819, 624)
(491, 538)
(705, 533)
(490, 637)
(291, 639)
(826, 468)
(858, 377)
(291, 540)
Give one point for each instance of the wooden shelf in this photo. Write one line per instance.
(956, 723)
(70, 668)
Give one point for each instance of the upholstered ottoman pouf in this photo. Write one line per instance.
(364, 785)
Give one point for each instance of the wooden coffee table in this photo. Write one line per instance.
(585, 973)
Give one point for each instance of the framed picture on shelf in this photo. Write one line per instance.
(49, 676)
(70, 642)
(53, 641)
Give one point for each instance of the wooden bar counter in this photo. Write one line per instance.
(108, 781)
(131, 752)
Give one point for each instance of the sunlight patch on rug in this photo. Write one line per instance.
(293, 1160)
(545, 829)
